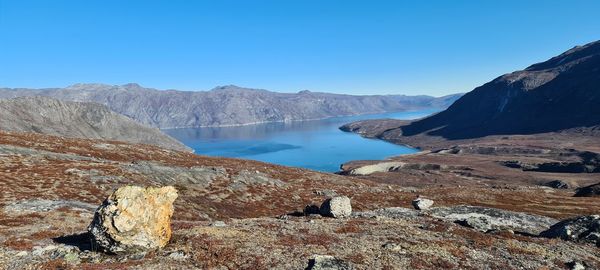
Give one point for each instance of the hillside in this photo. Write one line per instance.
(561, 93)
(228, 105)
(242, 214)
(77, 119)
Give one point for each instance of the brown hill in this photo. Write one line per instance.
(78, 119)
(561, 93)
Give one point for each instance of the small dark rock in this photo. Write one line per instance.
(557, 184)
(581, 229)
(574, 265)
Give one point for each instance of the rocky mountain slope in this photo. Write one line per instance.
(228, 105)
(77, 119)
(242, 214)
(561, 93)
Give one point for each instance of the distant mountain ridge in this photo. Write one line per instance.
(561, 93)
(228, 105)
(50, 116)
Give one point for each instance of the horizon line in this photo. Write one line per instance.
(222, 86)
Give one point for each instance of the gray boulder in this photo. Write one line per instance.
(326, 262)
(422, 203)
(580, 229)
(336, 207)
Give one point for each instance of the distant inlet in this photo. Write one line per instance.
(317, 145)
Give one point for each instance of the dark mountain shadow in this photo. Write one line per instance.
(561, 93)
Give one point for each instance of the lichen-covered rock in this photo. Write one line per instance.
(422, 203)
(326, 262)
(486, 219)
(582, 229)
(337, 207)
(134, 219)
(480, 223)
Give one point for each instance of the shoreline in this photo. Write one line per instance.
(294, 120)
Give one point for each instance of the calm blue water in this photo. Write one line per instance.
(317, 145)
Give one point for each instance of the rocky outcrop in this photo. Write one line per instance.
(134, 219)
(483, 219)
(588, 191)
(78, 120)
(587, 162)
(486, 219)
(327, 262)
(580, 229)
(336, 207)
(41, 205)
(377, 167)
(228, 105)
(422, 203)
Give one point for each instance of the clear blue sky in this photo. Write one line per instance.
(360, 47)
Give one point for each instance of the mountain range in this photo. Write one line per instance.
(228, 105)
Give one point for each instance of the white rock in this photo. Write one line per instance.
(422, 203)
(178, 255)
(337, 207)
(218, 223)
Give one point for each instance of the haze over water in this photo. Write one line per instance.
(317, 145)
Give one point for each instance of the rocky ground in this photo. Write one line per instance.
(239, 214)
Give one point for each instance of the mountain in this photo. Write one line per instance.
(77, 119)
(561, 93)
(228, 105)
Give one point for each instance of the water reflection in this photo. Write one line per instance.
(317, 145)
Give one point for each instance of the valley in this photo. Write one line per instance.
(506, 176)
